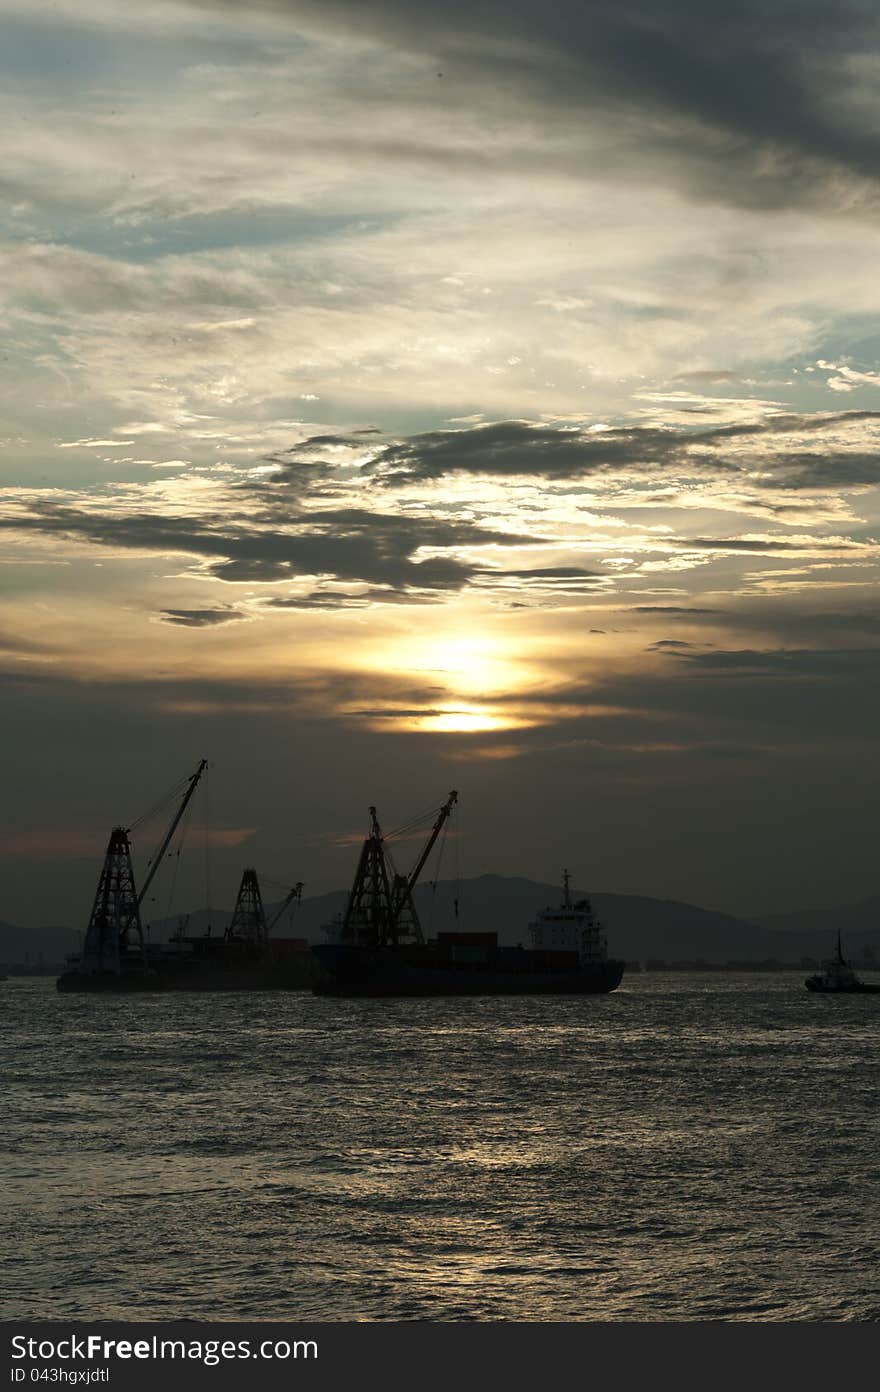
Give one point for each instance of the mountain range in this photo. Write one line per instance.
(638, 927)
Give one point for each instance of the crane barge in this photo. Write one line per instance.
(117, 957)
(377, 947)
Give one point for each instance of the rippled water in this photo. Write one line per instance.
(691, 1147)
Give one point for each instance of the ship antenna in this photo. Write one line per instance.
(566, 880)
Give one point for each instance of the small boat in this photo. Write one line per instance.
(838, 978)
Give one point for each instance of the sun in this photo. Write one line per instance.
(459, 683)
(474, 665)
(465, 720)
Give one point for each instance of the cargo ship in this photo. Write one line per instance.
(117, 958)
(377, 948)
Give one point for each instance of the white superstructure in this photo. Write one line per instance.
(569, 928)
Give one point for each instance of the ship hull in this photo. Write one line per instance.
(859, 988)
(357, 971)
(192, 974)
(241, 979)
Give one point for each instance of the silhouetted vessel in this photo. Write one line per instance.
(838, 978)
(116, 957)
(377, 946)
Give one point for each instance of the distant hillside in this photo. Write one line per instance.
(638, 927)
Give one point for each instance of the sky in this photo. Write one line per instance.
(398, 397)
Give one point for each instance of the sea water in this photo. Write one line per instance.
(691, 1147)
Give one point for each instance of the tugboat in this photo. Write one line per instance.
(377, 947)
(838, 978)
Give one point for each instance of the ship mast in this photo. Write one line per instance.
(566, 880)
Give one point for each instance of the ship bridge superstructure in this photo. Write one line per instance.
(570, 927)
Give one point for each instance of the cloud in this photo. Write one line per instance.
(367, 598)
(846, 378)
(764, 108)
(672, 610)
(348, 543)
(548, 576)
(200, 618)
(844, 665)
(352, 265)
(511, 449)
(819, 472)
(577, 509)
(777, 545)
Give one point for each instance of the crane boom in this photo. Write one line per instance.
(292, 894)
(442, 815)
(157, 860)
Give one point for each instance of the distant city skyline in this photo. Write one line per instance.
(398, 398)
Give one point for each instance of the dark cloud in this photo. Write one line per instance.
(295, 474)
(362, 599)
(565, 580)
(349, 544)
(282, 528)
(402, 713)
(847, 665)
(318, 442)
(823, 472)
(511, 449)
(674, 610)
(749, 104)
(199, 618)
(791, 423)
(546, 573)
(765, 546)
(786, 618)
